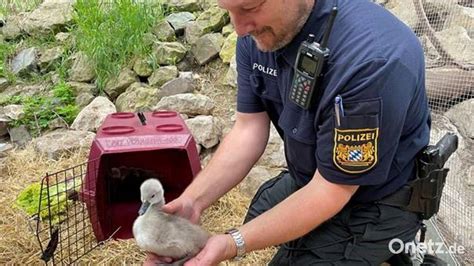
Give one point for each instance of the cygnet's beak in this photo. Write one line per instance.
(144, 207)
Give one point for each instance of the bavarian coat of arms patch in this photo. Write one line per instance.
(355, 150)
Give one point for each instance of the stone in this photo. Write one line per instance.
(149, 39)
(62, 36)
(227, 30)
(463, 17)
(50, 16)
(228, 49)
(213, 19)
(13, 111)
(3, 84)
(82, 69)
(61, 142)
(205, 158)
(164, 31)
(230, 78)
(205, 129)
(25, 62)
(93, 115)
(184, 5)
(188, 75)
(404, 10)
(19, 135)
(188, 63)
(178, 21)
(3, 122)
(56, 79)
(3, 128)
(187, 103)
(83, 99)
(162, 75)
(193, 31)
(24, 90)
(274, 155)
(49, 57)
(206, 4)
(431, 55)
(57, 123)
(254, 179)
(177, 86)
(82, 87)
(461, 116)
(118, 85)
(169, 53)
(207, 48)
(12, 30)
(142, 68)
(138, 97)
(457, 43)
(5, 147)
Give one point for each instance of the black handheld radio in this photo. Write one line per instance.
(309, 66)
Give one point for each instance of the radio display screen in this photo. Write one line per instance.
(308, 64)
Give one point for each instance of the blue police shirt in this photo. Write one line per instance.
(376, 66)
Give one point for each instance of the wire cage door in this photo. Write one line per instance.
(64, 227)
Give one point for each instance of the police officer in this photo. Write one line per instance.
(353, 147)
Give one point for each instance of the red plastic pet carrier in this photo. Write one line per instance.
(100, 199)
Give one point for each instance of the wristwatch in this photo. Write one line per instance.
(239, 242)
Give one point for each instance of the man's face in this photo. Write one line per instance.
(271, 23)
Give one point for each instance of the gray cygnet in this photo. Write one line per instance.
(164, 234)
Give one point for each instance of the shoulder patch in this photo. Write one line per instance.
(355, 150)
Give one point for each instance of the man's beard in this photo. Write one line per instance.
(286, 35)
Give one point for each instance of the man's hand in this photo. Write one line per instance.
(153, 260)
(218, 248)
(181, 206)
(185, 207)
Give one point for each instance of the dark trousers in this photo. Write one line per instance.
(358, 235)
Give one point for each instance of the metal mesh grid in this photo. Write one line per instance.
(63, 227)
(446, 30)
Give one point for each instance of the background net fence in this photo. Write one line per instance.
(446, 31)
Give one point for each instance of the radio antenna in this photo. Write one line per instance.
(327, 32)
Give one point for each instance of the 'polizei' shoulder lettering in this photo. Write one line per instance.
(265, 69)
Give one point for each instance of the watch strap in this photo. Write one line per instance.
(239, 242)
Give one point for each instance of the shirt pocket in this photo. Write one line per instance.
(364, 114)
(356, 136)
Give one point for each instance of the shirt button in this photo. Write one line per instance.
(295, 130)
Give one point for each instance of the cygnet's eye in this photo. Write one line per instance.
(152, 196)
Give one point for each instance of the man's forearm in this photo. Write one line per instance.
(234, 158)
(297, 215)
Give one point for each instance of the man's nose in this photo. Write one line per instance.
(242, 24)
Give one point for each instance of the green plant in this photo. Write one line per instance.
(6, 50)
(40, 110)
(112, 33)
(35, 200)
(15, 6)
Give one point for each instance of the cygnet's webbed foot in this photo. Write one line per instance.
(178, 262)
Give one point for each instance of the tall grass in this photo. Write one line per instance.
(6, 50)
(111, 33)
(8, 7)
